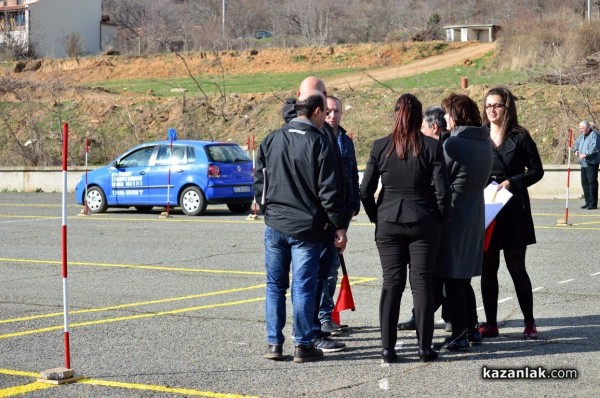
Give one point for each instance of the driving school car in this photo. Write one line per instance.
(186, 174)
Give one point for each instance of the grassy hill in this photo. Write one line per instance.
(122, 101)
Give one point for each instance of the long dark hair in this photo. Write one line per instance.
(510, 121)
(406, 134)
(462, 109)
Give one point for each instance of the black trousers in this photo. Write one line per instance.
(515, 262)
(589, 183)
(462, 306)
(398, 244)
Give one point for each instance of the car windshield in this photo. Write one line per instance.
(226, 154)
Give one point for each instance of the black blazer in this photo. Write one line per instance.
(412, 188)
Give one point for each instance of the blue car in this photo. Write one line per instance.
(191, 175)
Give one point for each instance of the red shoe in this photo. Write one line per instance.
(487, 331)
(530, 332)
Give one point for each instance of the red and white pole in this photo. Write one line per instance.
(254, 171)
(169, 177)
(87, 151)
(565, 221)
(64, 246)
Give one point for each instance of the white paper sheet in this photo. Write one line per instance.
(494, 201)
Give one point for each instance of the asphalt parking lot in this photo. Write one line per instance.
(175, 307)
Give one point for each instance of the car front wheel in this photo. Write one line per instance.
(192, 201)
(96, 200)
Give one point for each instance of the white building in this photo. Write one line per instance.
(483, 33)
(43, 25)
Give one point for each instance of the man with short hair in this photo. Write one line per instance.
(434, 123)
(328, 250)
(586, 149)
(329, 254)
(297, 186)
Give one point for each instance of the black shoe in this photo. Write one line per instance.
(389, 356)
(332, 328)
(592, 207)
(428, 355)
(307, 353)
(474, 336)
(454, 343)
(584, 206)
(326, 344)
(274, 352)
(408, 325)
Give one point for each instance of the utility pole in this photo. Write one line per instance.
(223, 18)
(589, 11)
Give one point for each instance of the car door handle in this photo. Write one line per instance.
(142, 172)
(179, 171)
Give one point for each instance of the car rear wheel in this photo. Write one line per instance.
(143, 209)
(96, 200)
(239, 207)
(192, 201)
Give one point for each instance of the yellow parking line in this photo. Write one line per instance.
(27, 388)
(573, 227)
(130, 317)
(12, 391)
(129, 305)
(132, 266)
(155, 388)
(149, 315)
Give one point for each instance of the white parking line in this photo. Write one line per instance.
(537, 288)
(505, 300)
(597, 273)
(567, 281)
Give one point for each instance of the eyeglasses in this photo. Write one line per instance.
(494, 106)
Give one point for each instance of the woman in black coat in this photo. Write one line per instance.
(410, 207)
(468, 153)
(517, 165)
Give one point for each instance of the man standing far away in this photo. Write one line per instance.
(329, 252)
(586, 149)
(303, 205)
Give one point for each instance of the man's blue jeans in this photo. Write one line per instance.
(330, 259)
(281, 250)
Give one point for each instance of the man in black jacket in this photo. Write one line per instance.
(303, 204)
(329, 255)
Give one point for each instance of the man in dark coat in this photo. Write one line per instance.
(297, 187)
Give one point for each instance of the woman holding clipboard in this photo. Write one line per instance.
(516, 166)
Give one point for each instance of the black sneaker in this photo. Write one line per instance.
(332, 328)
(307, 353)
(325, 344)
(474, 337)
(408, 325)
(274, 352)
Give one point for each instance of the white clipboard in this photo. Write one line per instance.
(494, 201)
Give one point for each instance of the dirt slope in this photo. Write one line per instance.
(451, 58)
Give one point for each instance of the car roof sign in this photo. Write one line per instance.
(172, 134)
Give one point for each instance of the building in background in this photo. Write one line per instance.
(483, 33)
(51, 28)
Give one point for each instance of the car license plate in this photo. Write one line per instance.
(241, 189)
